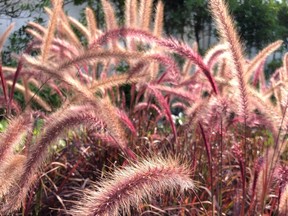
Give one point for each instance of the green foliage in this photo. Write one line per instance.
(269, 140)
(257, 22)
(282, 21)
(17, 42)
(19, 39)
(3, 125)
(254, 18)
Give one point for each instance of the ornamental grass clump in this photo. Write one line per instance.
(128, 186)
(131, 130)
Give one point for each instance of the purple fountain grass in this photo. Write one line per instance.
(91, 24)
(163, 103)
(31, 74)
(10, 173)
(127, 187)
(131, 20)
(123, 100)
(186, 69)
(116, 80)
(3, 38)
(34, 34)
(7, 69)
(257, 168)
(110, 19)
(68, 33)
(15, 107)
(281, 174)
(210, 58)
(261, 56)
(198, 110)
(159, 15)
(125, 119)
(265, 176)
(158, 24)
(257, 76)
(17, 73)
(96, 55)
(106, 138)
(267, 109)
(170, 64)
(283, 202)
(49, 35)
(209, 157)
(282, 74)
(283, 101)
(214, 92)
(146, 106)
(145, 12)
(56, 124)
(5, 35)
(180, 105)
(213, 54)
(37, 28)
(171, 44)
(223, 70)
(186, 51)
(108, 114)
(4, 87)
(29, 94)
(131, 7)
(176, 91)
(80, 27)
(228, 33)
(238, 154)
(172, 71)
(137, 68)
(93, 55)
(208, 149)
(13, 135)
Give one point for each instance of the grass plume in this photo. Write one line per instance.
(11, 173)
(228, 33)
(50, 31)
(128, 186)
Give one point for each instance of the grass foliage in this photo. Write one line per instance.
(114, 124)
